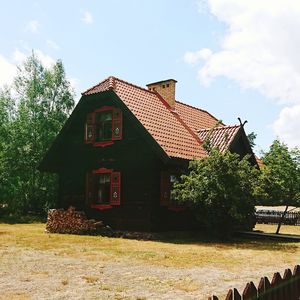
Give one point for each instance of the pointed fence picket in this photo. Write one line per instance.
(280, 288)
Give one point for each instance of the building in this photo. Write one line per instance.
(122, 148)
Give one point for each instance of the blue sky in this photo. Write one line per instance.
(229, 57)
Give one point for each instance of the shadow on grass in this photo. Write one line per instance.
(201, 239)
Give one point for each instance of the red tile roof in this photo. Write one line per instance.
(195, 118)
(220, 136)
(166, 126)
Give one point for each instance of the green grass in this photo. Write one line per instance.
(285, 229)
(182, 253)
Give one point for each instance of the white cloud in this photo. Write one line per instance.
(51, 44)
(87, 18)
(287, 125)
(33, 26)
(46, 60)
(8, 66)
(260, 51)
(194, 57)
(7, 71)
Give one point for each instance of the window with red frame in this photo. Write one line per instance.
(103, 188)
(103, 126)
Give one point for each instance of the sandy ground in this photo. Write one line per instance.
(34, 274)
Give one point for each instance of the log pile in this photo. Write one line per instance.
(71, 221)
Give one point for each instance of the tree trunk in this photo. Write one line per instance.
(281, 219)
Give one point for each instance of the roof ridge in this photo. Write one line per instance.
(177, 116)
(220, 127)
(133, 85)
(203, 110)
(113, 79)
(89, 89)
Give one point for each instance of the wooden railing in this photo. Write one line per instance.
(280, 288)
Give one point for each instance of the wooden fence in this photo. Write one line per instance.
(280, 288)
(273, 217)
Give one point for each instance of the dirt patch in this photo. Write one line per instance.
(34, 265)
(47, 275)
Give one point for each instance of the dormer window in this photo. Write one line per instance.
(103, 126)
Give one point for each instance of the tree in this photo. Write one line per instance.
(44, 99)
(251, 138)
(221, 190)
(280, 178)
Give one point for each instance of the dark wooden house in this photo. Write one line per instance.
(122, 148)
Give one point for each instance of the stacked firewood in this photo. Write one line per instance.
(70, 221)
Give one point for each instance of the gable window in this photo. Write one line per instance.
(103, 126)
(103, 188)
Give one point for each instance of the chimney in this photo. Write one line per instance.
(166, 89)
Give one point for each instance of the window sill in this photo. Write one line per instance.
(101, 206)
(103, 144)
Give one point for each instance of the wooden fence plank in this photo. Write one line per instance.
(287, 284)
(236, 295)
(229, 295)
(280, 288)
(296, 279)
(275, 283)
(250, 292)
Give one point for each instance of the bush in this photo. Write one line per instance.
(221, 190)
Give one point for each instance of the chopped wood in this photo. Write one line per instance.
(71, 221)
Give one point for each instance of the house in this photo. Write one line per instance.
(122, 148)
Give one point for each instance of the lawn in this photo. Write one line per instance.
(285, 229)
(36, 265)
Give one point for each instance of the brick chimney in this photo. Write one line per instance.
(166, 89)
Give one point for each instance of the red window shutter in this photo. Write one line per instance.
(90, 188)
(164, 188)
(115, 197)
(89, 133)
(117, 124)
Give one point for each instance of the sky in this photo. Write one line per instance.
(233, 58)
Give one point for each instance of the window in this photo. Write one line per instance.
(103, 188)
(103, 126)
(167, 181)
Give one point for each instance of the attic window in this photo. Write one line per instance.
(103, 126)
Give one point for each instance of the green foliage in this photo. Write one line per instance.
(33, 113)
(251, 138)
(221, 190)
(280, 178)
